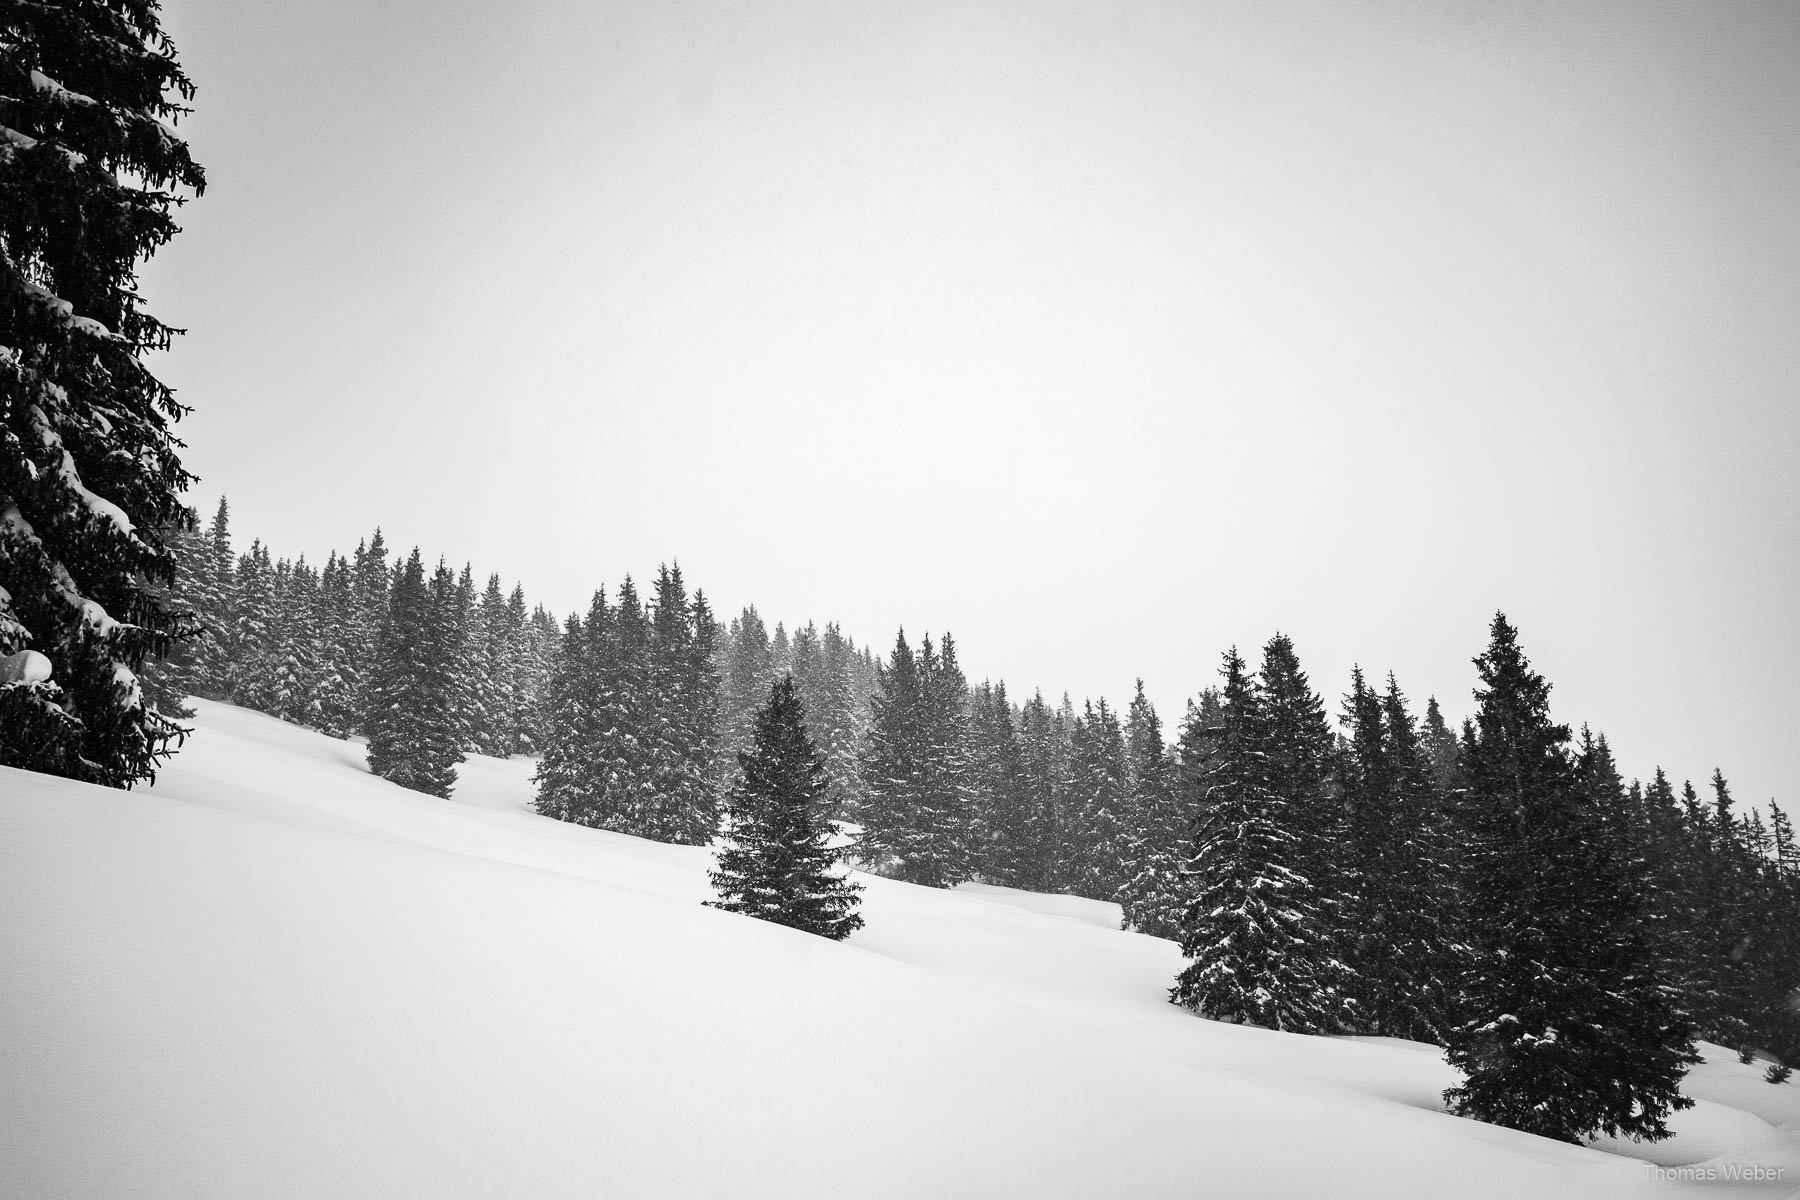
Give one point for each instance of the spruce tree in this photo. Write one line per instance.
(745, 680)
(844, 718)
(892, 767)
(1100, 787)
(1001, 788)
(215, 601)
(1404, 951)
(1250, 924)
(938, 850)
(1033, 836)
(1568, 1028)
(1151, 899)
(777, 863)
(337, 713)
(413, 722)
(90, 477)
(566, 778)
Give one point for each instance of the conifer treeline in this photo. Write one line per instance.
(1350, 879)
(638, 709)
(1318, 878)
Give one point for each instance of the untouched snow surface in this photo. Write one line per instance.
(274, 975)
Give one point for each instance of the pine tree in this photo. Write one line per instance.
(808, 670)
(90, 478)
(938, 851)
(892, 763)
(566, 777)
(370, 579)
(413, 722)
(777, 863)
(252, 678)
(1001, 788)
(1404, 953)
(1249, 927)
(1100, 788)
(1438, 747)
(1151, 900)
(844, 718)
(745, 679)
(337, 713)
(1568, 1028)
(214, 596)
(296, 653)
(1032, 839)
(679, 746)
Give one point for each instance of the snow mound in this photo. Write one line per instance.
(275, 975)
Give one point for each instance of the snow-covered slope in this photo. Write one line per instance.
(274, 975)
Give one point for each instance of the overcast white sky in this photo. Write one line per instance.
(1104, 335)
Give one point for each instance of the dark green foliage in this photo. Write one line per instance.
(777, 863)
(1568, 1028)
(90, 477)
(1778, 1073)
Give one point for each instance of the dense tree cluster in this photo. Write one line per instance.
(90, 478)
(632, 711)
(1502, 893)
(417, 661)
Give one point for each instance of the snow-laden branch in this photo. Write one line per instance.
(98, 506)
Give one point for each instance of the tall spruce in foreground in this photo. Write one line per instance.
(89, 471)
(777, 864)
(1250, 926)
(414, 718)
(1567, 1029)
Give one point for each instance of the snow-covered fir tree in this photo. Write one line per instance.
(681, 723)
(90, 477)
(1259, 952)
(413, 719)
(920, 817)
(1568, 1027)
(778, 863)
(1151, 898)
(1402, 911)
(1001, 788)
(892, 766)
(843, 718)
(745, 676)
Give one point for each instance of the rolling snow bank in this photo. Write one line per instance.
(275, 975)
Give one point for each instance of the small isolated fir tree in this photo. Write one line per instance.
(777, 864)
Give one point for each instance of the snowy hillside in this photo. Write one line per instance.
(274, 975)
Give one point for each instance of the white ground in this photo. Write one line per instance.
(274, 975)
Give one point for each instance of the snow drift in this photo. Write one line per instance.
(275, 975)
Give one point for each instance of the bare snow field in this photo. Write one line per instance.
(274, 975)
